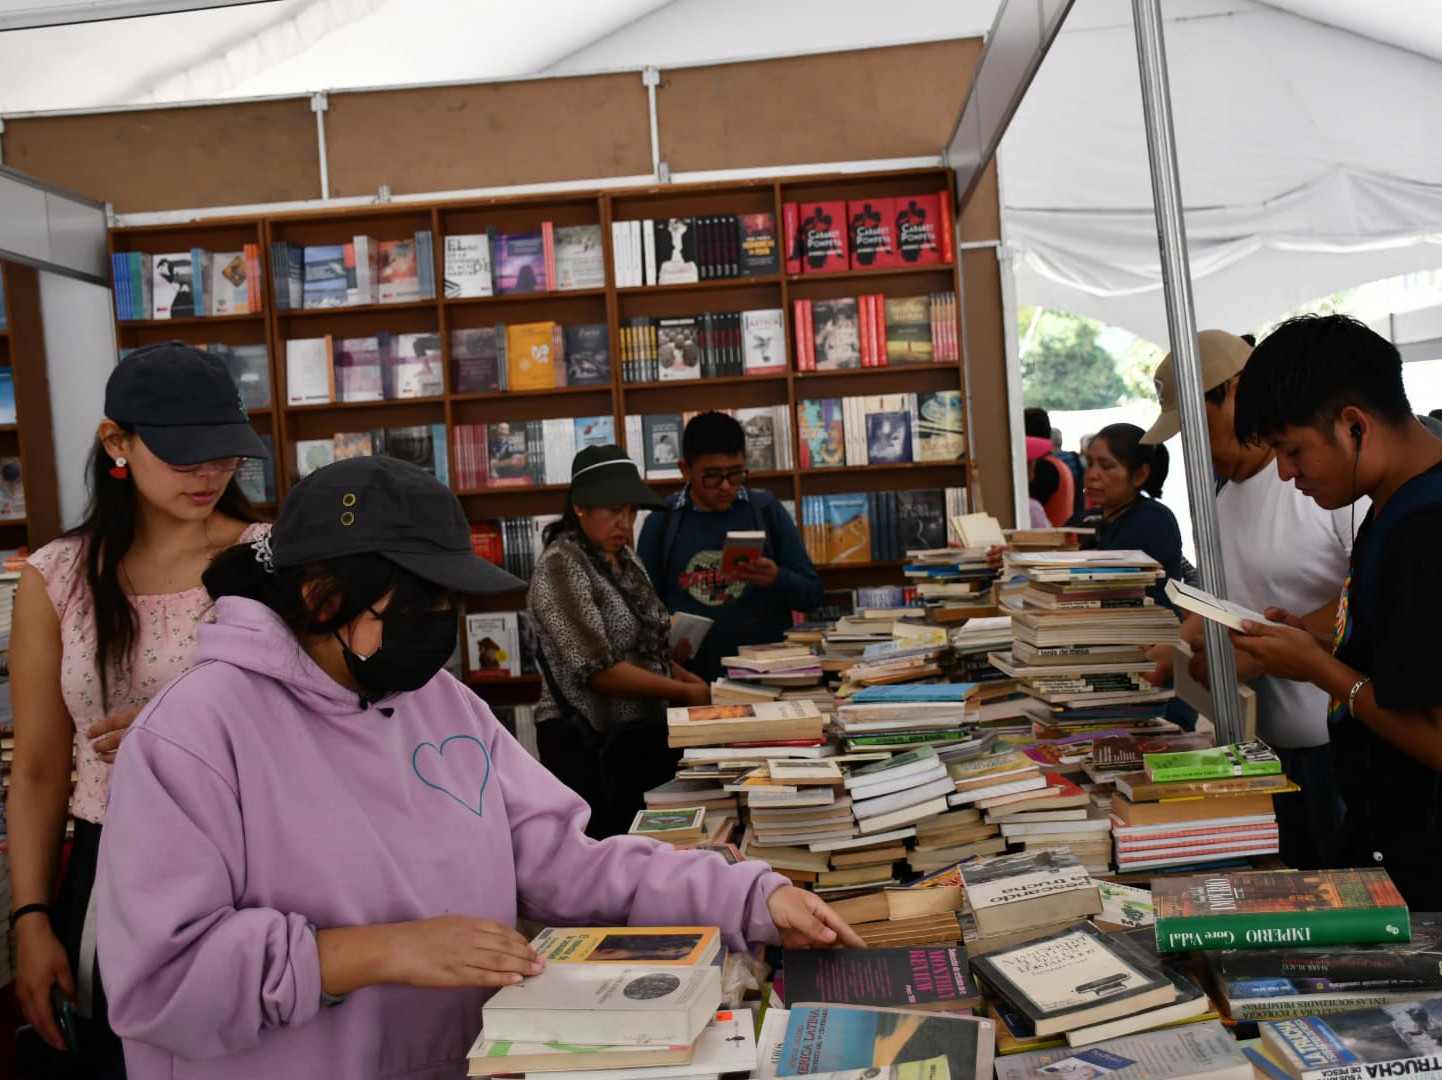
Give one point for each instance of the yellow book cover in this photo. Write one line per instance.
(678, 946)
(531, 356)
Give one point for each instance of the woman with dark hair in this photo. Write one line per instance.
(104, 617)
(605, 651)
(320, 842)
(1124, 481)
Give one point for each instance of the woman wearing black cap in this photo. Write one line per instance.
(104, 617)
(319, 841)
(605, 652)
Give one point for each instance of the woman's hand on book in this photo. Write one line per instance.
(456, 950)
(805, 921)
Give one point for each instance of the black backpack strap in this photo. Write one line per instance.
(674, 511)
(763, 508)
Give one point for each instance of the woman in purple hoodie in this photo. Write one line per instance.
(318, 843)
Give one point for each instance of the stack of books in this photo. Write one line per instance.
(792, 802)
(1385, 1040)
(1018, 898)
(923, 912)
(641, 999)
(1060, 816)
(954, 583)
(902, 790)
(1197, 807)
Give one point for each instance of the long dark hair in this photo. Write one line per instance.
(340, 589)
(1125, 443)
(568, 523)
(108, 531)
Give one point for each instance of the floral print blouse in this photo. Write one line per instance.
(166, 640)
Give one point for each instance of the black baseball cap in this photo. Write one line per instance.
(182, 403)
(605, 476)
(383, 506)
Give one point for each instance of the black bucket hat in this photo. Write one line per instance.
(182, 403)
(382, 506)
(605, 476)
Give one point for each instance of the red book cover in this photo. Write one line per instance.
(872, 233)
(791, 236)
(809, 334)
(823, 237)
(798, 320)
(943, 204)
(486, 542)
(548, 237)
(879, 312)
(863, 309)
(918, 226)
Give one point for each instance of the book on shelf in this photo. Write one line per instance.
(1264, 909)
(255, 476)
(579, 258)
(358, 370)
(822, 233)
(412, 365)
(493, 644)
(678, 349)
(683, 250)
(532, 356)
(836, 334)
(325, 278)
(518, 262)
(587, 355)
(467, 268)
(478, 357)
(309, 371)
(822, 433)
(172, 286)
(12, 489)
(352, 444)
(872, 233)
(662, 442)
(599, 1003)
(1399, 1039)
(764, 341)
(228, 289)
(249, 366)
(313, 454)
(919, 229)
(759, 254)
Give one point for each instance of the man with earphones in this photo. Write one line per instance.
(1326, 394)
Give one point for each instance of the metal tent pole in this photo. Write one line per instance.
(1182, 323)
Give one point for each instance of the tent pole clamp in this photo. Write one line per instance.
(319, 104)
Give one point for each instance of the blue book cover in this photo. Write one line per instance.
(7, 396)
(958, 692)
(595, 431)
(325, 284)
(829, 1038)
(888, 438)
(442, 452)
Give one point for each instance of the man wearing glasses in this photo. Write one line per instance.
(681, 548)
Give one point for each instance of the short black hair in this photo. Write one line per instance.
(1038, 423)
(1125, 443)
(712, 433)
(1307, 370)
(1250, 339)
(1217, 395)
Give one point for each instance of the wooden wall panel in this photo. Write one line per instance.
(172, 159)
(900, 101)
(489, 134)
(985, 341)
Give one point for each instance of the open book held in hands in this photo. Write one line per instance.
(1212, 607)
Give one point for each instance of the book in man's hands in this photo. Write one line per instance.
(1212, 607)
(741, 550)
(1402, 1039)
(681, 946)
(1265, 909)
(602, 1003)
(1074, 979)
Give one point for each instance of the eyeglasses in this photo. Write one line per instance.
(219, 465)
(711, 480)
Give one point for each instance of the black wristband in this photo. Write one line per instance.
(27, 909)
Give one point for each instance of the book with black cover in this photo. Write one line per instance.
(759, 252)
(1401, 965)
(476, 357)
(928, 977)
(588, 354)
(921, 519)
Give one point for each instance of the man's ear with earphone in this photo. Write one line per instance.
(1356, 430)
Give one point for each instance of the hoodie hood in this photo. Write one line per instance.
(248, 635)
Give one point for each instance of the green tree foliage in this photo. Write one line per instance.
(1062, 365)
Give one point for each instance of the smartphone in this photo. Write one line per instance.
(65, 1019)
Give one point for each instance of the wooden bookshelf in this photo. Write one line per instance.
(31, 436)
(609, 305)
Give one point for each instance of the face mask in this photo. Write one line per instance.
(413, 649)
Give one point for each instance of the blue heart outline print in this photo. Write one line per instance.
(441, 753)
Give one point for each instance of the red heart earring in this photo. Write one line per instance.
(118, 470)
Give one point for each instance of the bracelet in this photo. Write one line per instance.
(1352, 694)
(28, 909)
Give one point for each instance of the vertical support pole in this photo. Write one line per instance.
(319, 103)
(1182, 324)
(651, 78)
(2, 141)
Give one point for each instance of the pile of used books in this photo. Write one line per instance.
(1194, 807)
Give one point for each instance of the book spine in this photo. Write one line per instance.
(548, 240)
(648, 244)
(1166, 774)
(808, 334)
(791, 237)
(1267, 930)
(944, 226)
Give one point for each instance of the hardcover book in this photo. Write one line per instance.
(822, 232)
(918, 225)
(909, 1044)
(1265, 909)
(823, 433)
(467, 266)
(398, 271)
(679, 946)
(872, 233)
(588, 354)
(838, 341)
(1413, 964)
(477, 360)
(1403, 1039)
(601, 1003)
(580, 262)
(760, 253)
(519, 262)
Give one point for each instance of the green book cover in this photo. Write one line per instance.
(1269, 909)
(1217, 763)
(879, 768)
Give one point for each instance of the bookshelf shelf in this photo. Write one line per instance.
(192, 320)
(867, 470)
(347, 406)
(870, 372)
(9, 427)
(518, 489)
(352, 309)
(719, 380)
(551, 295)
(710, 285)
(13, 522)
(506, 395)
(862, 275)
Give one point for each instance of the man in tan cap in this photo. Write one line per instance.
(1279, 550)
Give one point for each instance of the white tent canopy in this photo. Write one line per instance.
(1306, 128)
